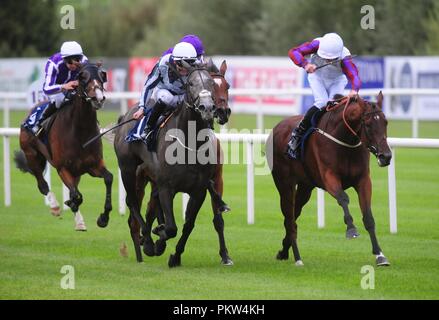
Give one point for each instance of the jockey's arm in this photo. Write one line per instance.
(297, 54)
(50, 87)
(351, 72)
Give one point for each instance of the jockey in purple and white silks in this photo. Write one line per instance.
(325, 82)
(196, 42)
(163, 87)
(61, 71)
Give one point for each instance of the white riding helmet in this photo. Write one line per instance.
(71, 48)
(331, 46)
(184, 51)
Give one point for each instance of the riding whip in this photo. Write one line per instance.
(105, 132)
(335, 61)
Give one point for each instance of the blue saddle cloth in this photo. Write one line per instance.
(35, 115)
(136, 133)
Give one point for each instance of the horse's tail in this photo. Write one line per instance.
(21, 162)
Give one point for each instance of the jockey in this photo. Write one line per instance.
(325, 82)
(163, 87)
(61, 70)
(196, 42)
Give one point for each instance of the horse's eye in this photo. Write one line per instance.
(376, 117)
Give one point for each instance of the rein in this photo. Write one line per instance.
(347, 101)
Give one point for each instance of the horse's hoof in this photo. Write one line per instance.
(382, 261)
(56, 212)
(174, 261)
(224, 209)
(299, 263)
(282, 256)
(352, 233)
(102, 221)
(159, 229)
(159, 247)
(148, 248)
(227, 262)
(80, 227)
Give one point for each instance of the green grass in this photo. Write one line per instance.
(34, 245)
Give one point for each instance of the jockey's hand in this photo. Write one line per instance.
(310, 68)
(138, 114)
(353, 93)
(70, 85)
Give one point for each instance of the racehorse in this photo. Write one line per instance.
(215, 189)
(74, 124)
(336, 157)
(184, 173)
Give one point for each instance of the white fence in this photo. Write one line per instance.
(259, 109)
(249, 140)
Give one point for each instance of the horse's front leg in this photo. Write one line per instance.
(102, 172)
(334, 188)
(364, 190)
(169, 229)
(193, 207)
(218, 220)
(75, 200)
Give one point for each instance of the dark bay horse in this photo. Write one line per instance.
(73, 125)
(221, 98)
(336, 157)
(177, 166)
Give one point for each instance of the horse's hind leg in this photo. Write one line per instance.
(193, 207)
(364, 190)
(37, 164)
(102, 172)
(286, 188)
(128, 172)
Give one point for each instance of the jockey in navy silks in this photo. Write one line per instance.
(325, 82)
(61, 71)
(165, 88)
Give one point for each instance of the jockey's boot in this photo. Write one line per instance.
(298, 132)
(157, 110)
(51, 109)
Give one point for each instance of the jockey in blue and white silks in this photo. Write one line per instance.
(325, 82)
(196, 42)
(61, 71)
(163, 87)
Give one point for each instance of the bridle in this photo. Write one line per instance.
(347, 101)
(189, 101)
(83, 85)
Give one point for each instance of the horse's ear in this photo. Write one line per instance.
(380, 98)
(186, 65)
(223, 68)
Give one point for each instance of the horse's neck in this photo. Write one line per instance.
(332, 123)
(190, 122)
(82, 116)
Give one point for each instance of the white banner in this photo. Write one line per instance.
(412, 72)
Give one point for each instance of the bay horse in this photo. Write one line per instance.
(186, 173)
(73, 125)
(336, 157)
(153, 211)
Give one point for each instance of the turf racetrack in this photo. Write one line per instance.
(34, 245)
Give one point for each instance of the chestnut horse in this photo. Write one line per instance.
(221, 98)
(336, 157)
(74, 124)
